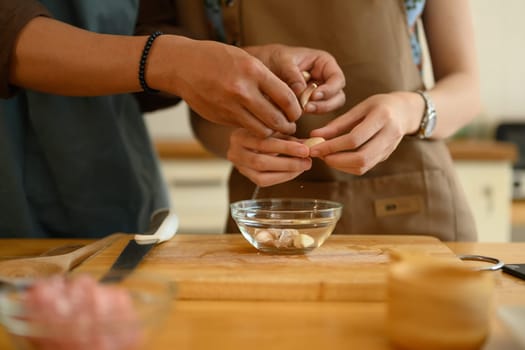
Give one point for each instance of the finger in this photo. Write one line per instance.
(278, 146)
(358, 162)
(332, 77)
(326, 106)
(294, 78)
(283, 97)
(265, 179)
(269, 114)
(267, 162)
(353, 140)
(344, 162)
(330, 87)
(371, 125)
(252, 123)
(342, 124)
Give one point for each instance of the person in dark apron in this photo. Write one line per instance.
(77, 166)
(384, 158)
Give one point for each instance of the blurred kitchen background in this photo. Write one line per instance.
(492, 172)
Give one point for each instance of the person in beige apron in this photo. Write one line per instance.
(414, 189)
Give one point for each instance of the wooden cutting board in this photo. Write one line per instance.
(227, 267)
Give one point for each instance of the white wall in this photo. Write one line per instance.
(170, 123)
(500, 42)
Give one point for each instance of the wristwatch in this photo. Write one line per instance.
(428, 121)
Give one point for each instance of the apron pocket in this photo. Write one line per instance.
(410, 203)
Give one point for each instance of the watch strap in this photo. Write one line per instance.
(426, 127)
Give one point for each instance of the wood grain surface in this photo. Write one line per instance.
(227, 267)
(289, 325)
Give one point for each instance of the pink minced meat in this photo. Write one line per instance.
(81, 314)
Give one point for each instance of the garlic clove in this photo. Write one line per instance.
(286, 238)
(303, 241)
(312, 141)
(263, 236)
(306, 75)
(305, 95)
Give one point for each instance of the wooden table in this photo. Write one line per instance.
(294, 325)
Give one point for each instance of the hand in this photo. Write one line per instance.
(289, 62)
(225, 85)
(267, 161)
(368, 133)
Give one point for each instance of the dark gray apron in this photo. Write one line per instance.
(76, 166)
(416, 190)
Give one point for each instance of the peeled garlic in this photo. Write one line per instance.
(303, 241)
(286, 238)
(306, 75)
(263, 236)
(312, 141)
(283, 238)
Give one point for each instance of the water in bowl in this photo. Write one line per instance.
(286, 237)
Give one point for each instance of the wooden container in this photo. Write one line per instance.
(437, 304)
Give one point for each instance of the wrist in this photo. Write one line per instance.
(144, 62)
(162, 71)
(415, 110)
(428, 119)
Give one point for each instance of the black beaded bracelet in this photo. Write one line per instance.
(143, 59)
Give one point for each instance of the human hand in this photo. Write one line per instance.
(368, 133)
(288, 63)
(267, 161)
(226, 85)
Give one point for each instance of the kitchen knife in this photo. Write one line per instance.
(163, 227)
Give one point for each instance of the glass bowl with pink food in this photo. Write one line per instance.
(78, 312)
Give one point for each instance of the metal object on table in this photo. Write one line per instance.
(497, 264)
(163, 227)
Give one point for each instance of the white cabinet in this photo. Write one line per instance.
(487, 185)
(198, 191)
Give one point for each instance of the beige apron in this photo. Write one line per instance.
(415, 191)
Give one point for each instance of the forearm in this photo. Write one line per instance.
(450, 37)
(457, 102)
(54, 57)
(222, 83)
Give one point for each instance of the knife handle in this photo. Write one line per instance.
(165, 224)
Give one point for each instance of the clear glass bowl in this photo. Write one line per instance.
(80, 313)
(286, 225)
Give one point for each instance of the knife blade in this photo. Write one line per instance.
(163, 226)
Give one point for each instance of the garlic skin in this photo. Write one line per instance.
(305, 95)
